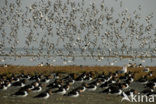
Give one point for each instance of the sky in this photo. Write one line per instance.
(148, 7)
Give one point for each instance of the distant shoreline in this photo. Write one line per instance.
(119, 56)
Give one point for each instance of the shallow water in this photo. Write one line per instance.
(29, 61)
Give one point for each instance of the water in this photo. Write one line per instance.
(78, 61)
(78, 58)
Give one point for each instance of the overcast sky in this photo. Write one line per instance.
(148, 6)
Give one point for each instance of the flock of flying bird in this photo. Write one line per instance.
(70, 29)
(73, 85)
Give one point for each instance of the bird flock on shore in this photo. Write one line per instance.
(73, 85)
(71, 29)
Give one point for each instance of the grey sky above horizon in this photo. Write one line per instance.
(148, 6)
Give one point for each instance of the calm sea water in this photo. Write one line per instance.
(61, 60)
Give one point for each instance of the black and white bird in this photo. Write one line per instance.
(23, 93)
(44, 95)
(74, 93)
